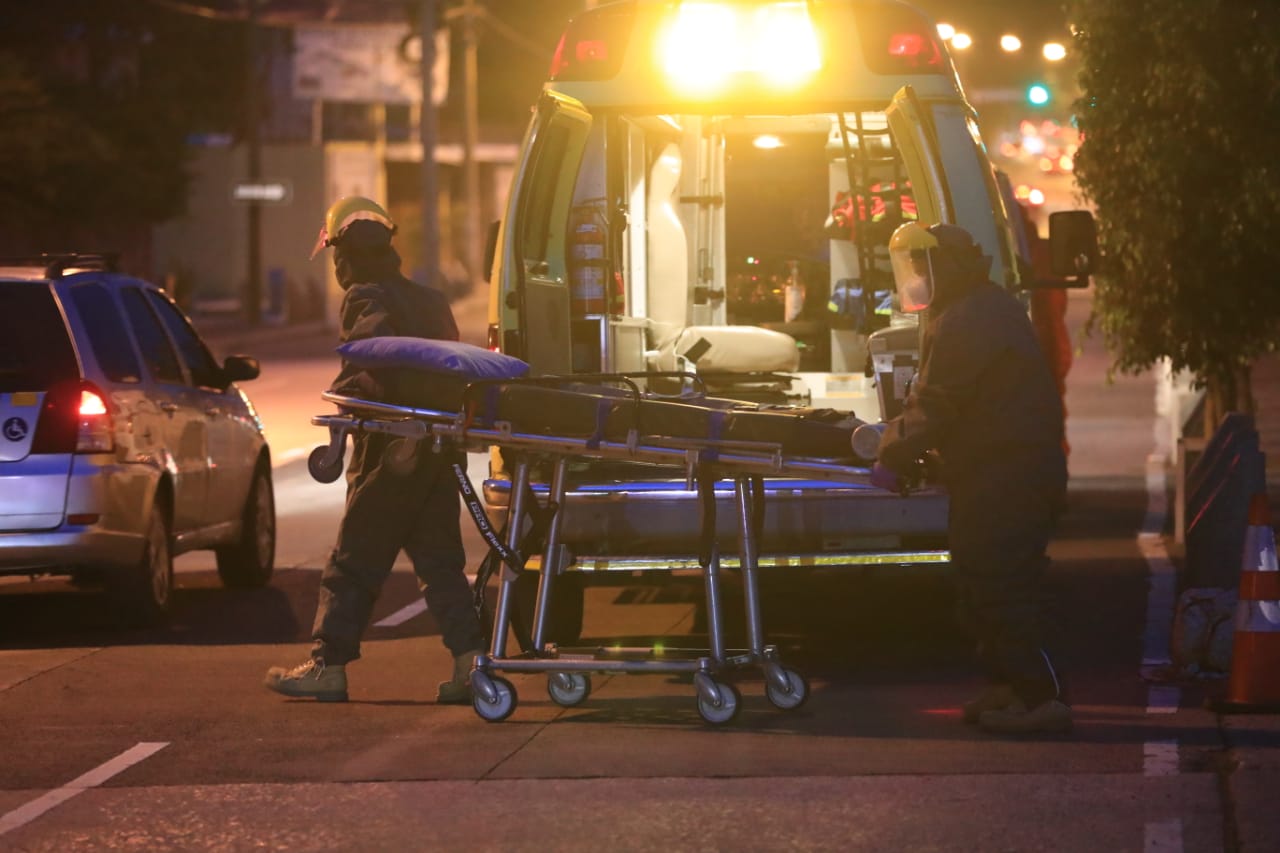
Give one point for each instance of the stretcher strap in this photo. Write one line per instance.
(603, 407)
(707, 506)
(511, 558)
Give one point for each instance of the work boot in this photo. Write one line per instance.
(457, 690)
(310, 680)
(994, 698)
(1052, 717)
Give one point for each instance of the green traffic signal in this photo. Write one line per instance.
(1038, 95)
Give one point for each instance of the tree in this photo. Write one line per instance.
(1179, 115)
(97, 101)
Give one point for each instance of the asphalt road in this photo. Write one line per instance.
(165, 739)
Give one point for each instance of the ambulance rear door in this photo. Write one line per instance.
(914, 136)
(533, 276)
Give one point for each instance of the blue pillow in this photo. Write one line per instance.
(454, 357)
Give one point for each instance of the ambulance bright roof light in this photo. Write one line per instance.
(706, 42)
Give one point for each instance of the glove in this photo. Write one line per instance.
(883, 477)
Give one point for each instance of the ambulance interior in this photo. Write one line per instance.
(743, 255)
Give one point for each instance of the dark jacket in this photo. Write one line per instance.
(379, 301)
(984, 398)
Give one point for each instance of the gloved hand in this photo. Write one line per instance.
(886, 478)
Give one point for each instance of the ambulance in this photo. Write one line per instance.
(709, 186)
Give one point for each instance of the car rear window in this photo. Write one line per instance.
(107, 335)
(35, 350)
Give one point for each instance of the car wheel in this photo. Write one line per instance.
(248, 564)
(142, 593)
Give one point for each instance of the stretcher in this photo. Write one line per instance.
(552, 422)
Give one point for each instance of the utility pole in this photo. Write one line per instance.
(253, 142)
(471, 140)
(427, 135)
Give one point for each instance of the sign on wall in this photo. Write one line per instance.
(378, 63)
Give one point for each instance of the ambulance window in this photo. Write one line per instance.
(542, 195)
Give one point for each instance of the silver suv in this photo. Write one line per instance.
(122, 441)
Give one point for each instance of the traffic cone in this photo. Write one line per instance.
(1254, 685)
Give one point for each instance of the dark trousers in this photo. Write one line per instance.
(1000, 525)
(394, 504)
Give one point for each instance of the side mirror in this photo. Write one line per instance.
(240, 368)
(1073, 246)
(490, 249)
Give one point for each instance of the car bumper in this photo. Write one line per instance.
(67, 549)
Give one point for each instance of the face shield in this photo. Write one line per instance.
(913, 276)
(321, 242)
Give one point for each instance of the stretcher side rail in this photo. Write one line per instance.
(705, 459)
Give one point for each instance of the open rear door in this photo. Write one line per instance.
(534, 267)
(919, 149)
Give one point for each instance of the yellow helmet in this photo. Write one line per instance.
(910, 253)
(343, 212)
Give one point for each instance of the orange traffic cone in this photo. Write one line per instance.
(1255, 658)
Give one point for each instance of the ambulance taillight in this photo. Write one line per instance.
(593, 45)
(898, 39)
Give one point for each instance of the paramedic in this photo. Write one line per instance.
(986, 402)
(392, 503)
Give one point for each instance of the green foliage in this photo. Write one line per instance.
(1180, 118)
(97, 102)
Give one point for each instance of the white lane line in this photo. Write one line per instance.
(1162, 837)
(416, 608)
(403, 615)
(1162, 589)
(23, 815)
(279, 460)
(1160, 758)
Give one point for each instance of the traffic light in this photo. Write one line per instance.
(1038, 94)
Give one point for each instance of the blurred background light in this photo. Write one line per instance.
(1010, 43)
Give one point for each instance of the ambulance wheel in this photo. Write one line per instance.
(568, 688)
(502, 702)
(790, 697)
(320, 472)
(726, 710)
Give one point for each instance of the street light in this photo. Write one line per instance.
(961, 41)
(946, 32)
(1010, 43)
(1054, 52)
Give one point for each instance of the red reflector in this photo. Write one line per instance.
(905, 44)
(91, 404)
(591, 51)
(83, 518)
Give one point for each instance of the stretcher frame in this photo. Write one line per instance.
(704, 460)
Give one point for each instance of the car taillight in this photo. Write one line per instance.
(493, 338)
(75, 418)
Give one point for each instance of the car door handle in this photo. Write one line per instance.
(213, 411)
(169, 408)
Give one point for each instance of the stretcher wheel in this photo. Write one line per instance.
(726, 710)
(320, 472)
(792, 696)
(501, 701)
(568, 688)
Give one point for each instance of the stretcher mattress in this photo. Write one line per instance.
(605, 413)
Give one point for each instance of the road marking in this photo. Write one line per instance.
(1160, 758)
(293, 455)
(23, 815)
(1162, 837)
(403, 615)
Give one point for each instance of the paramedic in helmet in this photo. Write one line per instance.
(393, 503)
(986, 402)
